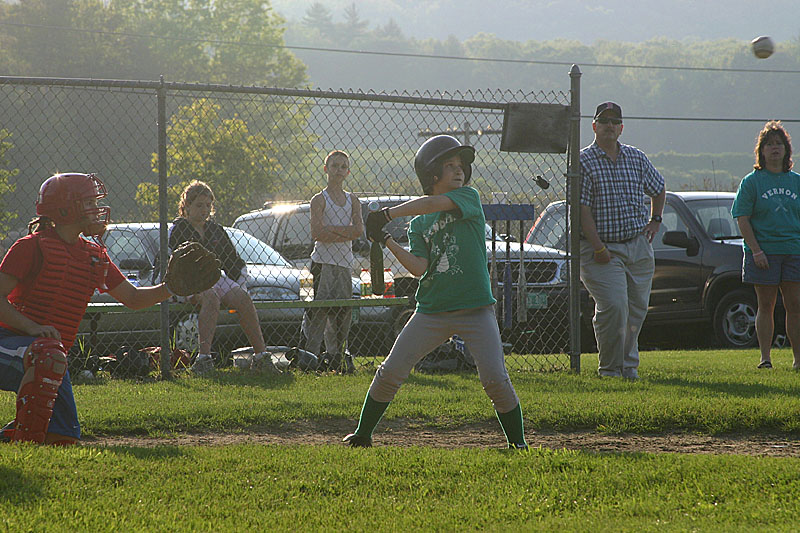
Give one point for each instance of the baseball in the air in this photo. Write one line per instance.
(762, 47)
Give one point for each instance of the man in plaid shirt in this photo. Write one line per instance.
(616, 242)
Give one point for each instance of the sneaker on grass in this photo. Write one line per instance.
(262, 362)
(357, 441)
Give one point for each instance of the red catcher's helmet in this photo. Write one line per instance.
(71, 198)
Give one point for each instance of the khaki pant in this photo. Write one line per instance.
(621, 291)
(331, 282)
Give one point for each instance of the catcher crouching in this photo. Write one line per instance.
(46, 281)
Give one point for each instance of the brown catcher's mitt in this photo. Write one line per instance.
(191, 269)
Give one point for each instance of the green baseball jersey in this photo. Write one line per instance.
(454, 243)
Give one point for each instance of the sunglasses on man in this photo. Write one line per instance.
(608, 120)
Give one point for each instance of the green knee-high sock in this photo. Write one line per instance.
(371, 414)
(511, 423)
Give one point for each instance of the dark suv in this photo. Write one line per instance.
(697, 280)
(287, 228)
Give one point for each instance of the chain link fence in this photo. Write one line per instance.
(262, 153)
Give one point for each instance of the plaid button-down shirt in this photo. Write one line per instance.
(615, 190)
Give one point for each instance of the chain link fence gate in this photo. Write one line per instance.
(262, 151)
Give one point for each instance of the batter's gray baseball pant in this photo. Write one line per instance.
(424, 332)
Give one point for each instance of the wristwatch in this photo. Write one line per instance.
(656, 218)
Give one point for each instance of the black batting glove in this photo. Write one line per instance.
(376, 220)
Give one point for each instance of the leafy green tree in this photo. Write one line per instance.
(6, 217)
(218, 41)
(47, 38)
(242, 168)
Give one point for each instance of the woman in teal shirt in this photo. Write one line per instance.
(767, 209)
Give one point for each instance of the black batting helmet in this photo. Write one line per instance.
(427, 162)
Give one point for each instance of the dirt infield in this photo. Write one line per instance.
(411, 433)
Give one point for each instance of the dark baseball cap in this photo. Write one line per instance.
(608, 106)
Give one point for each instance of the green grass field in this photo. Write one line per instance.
(328, 487)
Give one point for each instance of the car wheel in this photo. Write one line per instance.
(186, 333)
(735, 320)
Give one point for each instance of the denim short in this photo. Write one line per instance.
(782, 267)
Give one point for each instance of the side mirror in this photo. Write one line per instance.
(680, 239)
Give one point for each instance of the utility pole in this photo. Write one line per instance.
(465, 131)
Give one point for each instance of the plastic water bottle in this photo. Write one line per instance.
(366, 283)
(388, 283)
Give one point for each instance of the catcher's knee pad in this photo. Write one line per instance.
(45, 365)
(502, 393)
(385, 384)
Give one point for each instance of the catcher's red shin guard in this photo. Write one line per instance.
(45, 364)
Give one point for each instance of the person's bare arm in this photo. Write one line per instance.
(139, 297)
(414, 264)
(657, 203)
(746, 229)
(418, 206)
(16, 320)
(589, 228)
(423, 206)
(357, 221)
(322, 233)
(656, 208)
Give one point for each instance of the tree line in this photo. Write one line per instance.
(242, 42)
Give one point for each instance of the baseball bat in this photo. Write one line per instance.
(376, 261)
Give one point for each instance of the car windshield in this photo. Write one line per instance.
(550, 229)
(125, 245)
(714, 214)
(254, 251)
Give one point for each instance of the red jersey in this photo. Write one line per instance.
(56, 279)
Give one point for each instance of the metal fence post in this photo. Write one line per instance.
(164, 362)
(573, 185)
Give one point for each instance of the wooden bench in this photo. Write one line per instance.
(95, 311)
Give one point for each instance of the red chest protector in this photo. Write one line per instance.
(60, 292)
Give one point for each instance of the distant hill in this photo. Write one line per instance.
(587, 22)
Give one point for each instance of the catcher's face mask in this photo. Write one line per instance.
(71, 199)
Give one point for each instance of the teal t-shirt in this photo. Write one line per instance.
(771, 201)
(454, 243)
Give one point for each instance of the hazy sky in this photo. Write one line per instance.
(586, 21)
